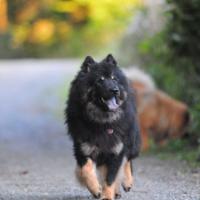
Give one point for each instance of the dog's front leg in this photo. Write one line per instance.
(111, 183)
(128, 176)
(88, 177)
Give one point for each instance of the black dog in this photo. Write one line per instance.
(101, 118)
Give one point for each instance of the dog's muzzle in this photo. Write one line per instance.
(113, 101)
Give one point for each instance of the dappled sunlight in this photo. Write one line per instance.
(75, 26)
(42, 31)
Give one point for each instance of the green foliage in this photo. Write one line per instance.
(172, 57)
(184, 30)
(178, 149)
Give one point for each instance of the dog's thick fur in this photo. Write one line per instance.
(101, 119)
(160, 116)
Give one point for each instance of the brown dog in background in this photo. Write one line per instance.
(160, 116)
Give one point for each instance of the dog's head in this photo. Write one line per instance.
(106, 84)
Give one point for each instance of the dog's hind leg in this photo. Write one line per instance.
(128, 176)
(88, 177)
(103, 174)
(111, 184)
(117, 189)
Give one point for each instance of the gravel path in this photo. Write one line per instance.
(35, 153)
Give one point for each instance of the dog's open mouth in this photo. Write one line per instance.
(112, 103)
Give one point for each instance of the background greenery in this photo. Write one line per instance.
(171, 55)
(60, 28)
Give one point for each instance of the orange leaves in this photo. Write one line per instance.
(42, 31)
(74, 25)
(28, 11)
(3, 16)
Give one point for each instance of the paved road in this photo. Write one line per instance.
(35, 153)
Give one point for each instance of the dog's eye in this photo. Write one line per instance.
(112, 77)
(102, 78)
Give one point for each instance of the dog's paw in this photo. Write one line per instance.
(107, 198)
(126, 189)
(97, 192)
(108, 193)
(118, 195)
(97, 196)
(127, 185)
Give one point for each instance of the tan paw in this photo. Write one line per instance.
(96, 192)
(127, 185)
(118, 195)
(128, 177)
(108, 192)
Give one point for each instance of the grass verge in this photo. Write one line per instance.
(177, 149)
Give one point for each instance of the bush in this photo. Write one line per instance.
(178, 59)
(172, 57)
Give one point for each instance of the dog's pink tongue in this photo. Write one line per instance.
(112, 104)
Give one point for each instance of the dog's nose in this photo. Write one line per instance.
(115, 90)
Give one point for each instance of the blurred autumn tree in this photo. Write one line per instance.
(44, 28)
(3, 16)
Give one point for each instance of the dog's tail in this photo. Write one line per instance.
(137, 75)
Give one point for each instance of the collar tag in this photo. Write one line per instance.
(110, 131)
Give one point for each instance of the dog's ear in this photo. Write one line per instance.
(110, 59)
(85, 67)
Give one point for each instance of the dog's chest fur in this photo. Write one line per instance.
(96, 114)
(91, 149)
